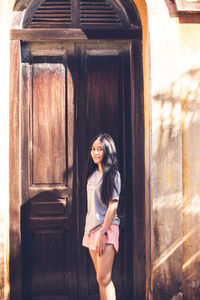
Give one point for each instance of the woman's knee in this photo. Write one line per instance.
(103, 279)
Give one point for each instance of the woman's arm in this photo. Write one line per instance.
(112, 208)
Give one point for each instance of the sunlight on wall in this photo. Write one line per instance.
(167, 118)
(170, 250)
(166, 173)
(191, 97)
(190, 92)
(168, 202)
(192, 259)
(193, 209)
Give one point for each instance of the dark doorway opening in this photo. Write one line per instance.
(70, 91)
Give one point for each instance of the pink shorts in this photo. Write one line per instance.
(89, 240)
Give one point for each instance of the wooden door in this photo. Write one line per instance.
(48, 242)
(70, 93)
(104, 105)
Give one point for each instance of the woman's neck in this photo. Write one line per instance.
(100, 168)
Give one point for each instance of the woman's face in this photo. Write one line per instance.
(97, 152)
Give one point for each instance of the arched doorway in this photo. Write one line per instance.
(81, 74)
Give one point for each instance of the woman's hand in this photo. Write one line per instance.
(100, 245)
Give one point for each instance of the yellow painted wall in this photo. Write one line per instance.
(166, 154)
(190, 85)
(175, 156)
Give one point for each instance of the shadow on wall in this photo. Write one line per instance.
(176, 212)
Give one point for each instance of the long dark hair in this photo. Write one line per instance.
(109, 164)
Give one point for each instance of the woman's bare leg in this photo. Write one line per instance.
(93, 255)
(104, 266)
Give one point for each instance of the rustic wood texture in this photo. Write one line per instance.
(47, 161)
(85, 14)
(70, 137)
(14, 177)
(105, 77)
(52, 14)
(139, 218)
(48, 124)
(65, 100)
(70, 91)
(44, 238)
(74, 34)
(98, 13)
(46, 34)
(104, 106)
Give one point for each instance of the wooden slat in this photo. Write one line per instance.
(47, 209)
(52, 7)
(93, 3)
(62, 14)
(51, 19)
(50, 222)
(49, 25)
(99, 11)
(96, 13)
(46, 34)
(60, 297)
(70, 135)
(98, 17)
(15, 173)
(52, 14)
(49, 34)
(99, 21)
(56, 2)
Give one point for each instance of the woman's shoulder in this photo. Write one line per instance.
(95, 177)
(117, 177)
(117, 174)
(91, 175)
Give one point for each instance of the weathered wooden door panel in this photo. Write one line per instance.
(104, 99)
(47, 145)
(47, 236)
(48, 125)
(70, 93)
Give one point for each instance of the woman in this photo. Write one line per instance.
(102, 223)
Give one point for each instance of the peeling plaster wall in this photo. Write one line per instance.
(166, 159)
(190, 86)
(175, 160)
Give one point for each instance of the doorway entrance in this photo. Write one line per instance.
(74, 84)
(70, 93)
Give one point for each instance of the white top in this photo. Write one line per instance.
(96, 209)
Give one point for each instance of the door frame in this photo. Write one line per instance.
(141, 211)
